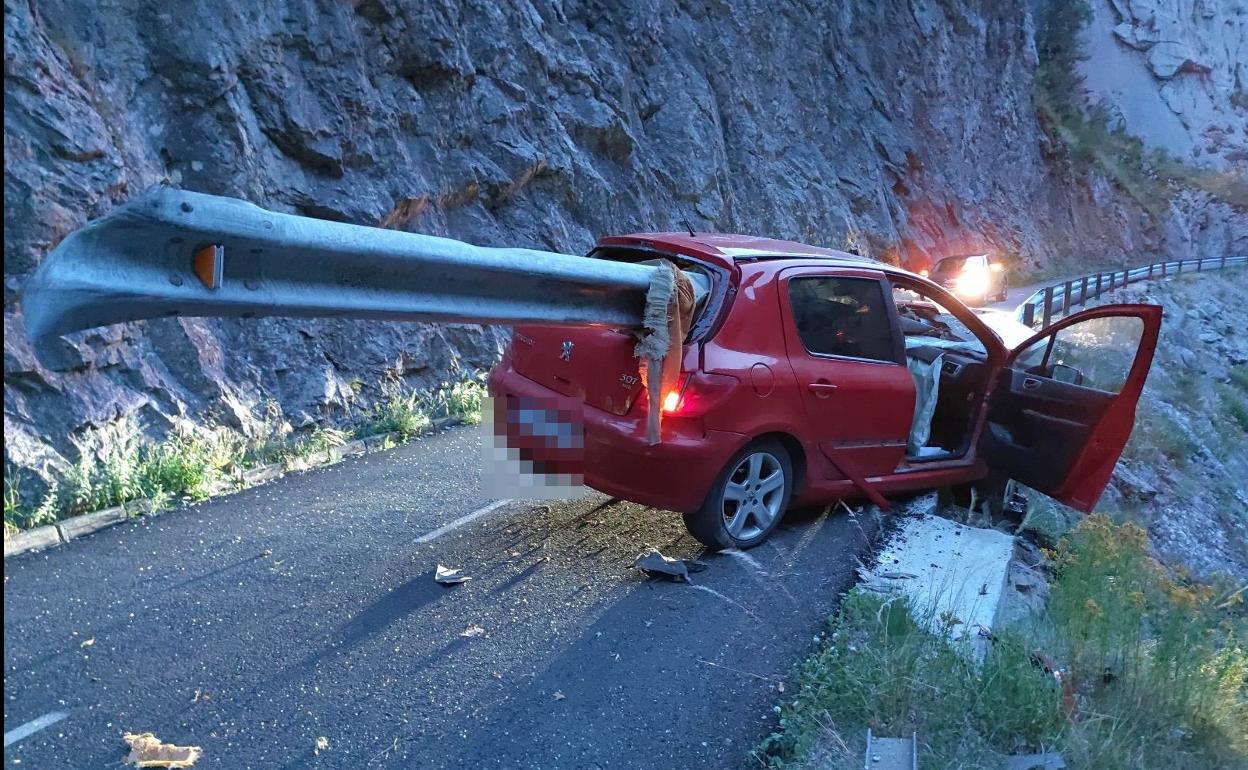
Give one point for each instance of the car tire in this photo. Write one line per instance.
(747, 500)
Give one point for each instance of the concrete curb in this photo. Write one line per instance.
(74, 527)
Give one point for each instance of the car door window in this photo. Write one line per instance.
(1097, 353)
(839, 316)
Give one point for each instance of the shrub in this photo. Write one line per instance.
(462, 400)
(1157, 664)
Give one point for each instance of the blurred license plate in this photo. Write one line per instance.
(541, 439)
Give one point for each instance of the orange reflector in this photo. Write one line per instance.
(209, 265)
(671, 401)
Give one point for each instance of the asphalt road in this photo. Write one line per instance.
(254, 624)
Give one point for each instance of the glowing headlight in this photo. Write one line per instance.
(972, 283)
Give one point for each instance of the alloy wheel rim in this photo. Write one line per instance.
(752, 495)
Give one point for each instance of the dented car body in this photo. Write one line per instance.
(811, 375)
(807, 375)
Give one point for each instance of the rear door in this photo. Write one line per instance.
(844, 344)
(1064, 404)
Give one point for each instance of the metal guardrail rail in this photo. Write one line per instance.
(1039, 310)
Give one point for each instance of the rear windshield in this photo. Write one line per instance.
(710, 305)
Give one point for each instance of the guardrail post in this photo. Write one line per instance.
(1150, 271)
(1178, 267)
(1048, 307)
(1163, 269)
(1200, 264)
(1098, 285)
(1112, 276)
(1126, 276)
(1029, 313)
(1066, 298)
(1083, 291)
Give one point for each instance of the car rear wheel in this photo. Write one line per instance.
(747, 500)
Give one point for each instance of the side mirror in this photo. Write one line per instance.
(1066, 373)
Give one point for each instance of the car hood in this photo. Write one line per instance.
(1006, 326)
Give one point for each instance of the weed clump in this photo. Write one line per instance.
(1157, 664)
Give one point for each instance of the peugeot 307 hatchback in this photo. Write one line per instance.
(811, 375)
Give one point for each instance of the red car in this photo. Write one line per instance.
(812, 375)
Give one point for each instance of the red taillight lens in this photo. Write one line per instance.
(698, 393)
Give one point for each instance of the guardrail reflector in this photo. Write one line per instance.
(209, 265)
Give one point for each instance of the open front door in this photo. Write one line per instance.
(1063, 406)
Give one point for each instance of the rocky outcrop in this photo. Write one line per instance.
(904, 128)
(1183, 472)
(1175, 74)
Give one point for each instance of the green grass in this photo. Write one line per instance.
(398, 412)
(1175, 695)
(115, 466)
(1234, 404)
(462, 400)
(1239, 377)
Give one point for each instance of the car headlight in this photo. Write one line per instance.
(972, 284)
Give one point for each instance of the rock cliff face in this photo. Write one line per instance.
(1174, 74)
(905, 128)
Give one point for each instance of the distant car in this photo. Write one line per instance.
(975, 279)
(811, 375)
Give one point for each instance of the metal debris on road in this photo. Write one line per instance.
(559, 695)
(448, 576)
(87, 642)
(1049, 761)
(472, 631)
(322, 744)
(655, 563)
(146, 750)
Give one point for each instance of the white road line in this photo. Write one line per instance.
(461, 521)
(32, 727)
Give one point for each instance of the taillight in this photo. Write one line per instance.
(697, 393)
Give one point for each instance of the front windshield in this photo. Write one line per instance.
(949, 266)
(928, 323)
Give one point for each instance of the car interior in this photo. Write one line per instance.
(1054, 394)
(948, 364)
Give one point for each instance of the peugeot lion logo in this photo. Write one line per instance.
(565, 354)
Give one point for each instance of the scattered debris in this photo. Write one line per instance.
(1048, 761)
(266, 553)
(87, 642)
(472, 631)
(1046, 663)
(655, 563)
(897, 575)
(559, 695)
(738, 671)
(146, 750)
(392, 747)
(322, 744)
(892, 753)
(448, 576)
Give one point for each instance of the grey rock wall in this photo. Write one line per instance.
(1175, 74)
(905, 127)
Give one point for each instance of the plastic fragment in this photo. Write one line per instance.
(655, 563)
(448, 576)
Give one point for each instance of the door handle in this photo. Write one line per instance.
(822, 388)
(1030, 383)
